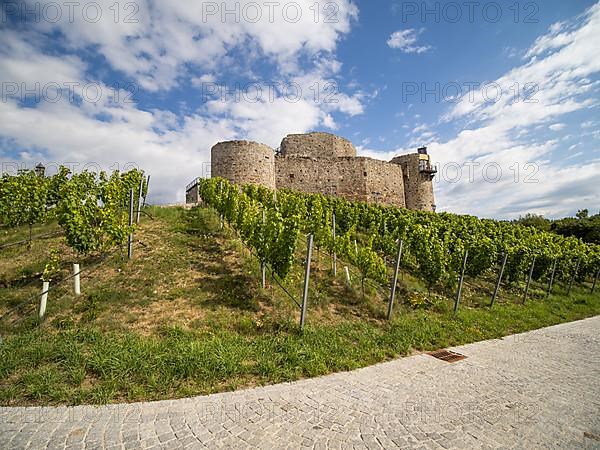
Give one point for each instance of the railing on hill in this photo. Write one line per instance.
(192, 184)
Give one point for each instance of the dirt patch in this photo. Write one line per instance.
(146, 320)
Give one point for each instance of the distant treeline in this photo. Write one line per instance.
(583, 226)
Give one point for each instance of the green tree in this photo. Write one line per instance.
(535, 221)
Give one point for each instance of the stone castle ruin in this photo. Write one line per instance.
(327, 164)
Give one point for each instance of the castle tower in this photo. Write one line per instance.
(327, 164)
(244, 162)
(317, 145)
(418, 174)
(324, 163)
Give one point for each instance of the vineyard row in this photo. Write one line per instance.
(366, 235)
(93, 210)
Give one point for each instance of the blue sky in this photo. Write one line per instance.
(515, 127)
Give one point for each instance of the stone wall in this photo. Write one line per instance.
(418, 186)
(192, 195)
(244, 162)
(385, 183)
(305, 174)
(316, 145)
(358, 179)
(352, 182)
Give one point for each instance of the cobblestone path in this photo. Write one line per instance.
(534, 390)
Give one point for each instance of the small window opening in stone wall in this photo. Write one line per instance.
(291, 176)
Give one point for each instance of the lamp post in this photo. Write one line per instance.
(40, 170)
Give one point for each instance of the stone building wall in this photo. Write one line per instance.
(327, 164)
(244, 162)
(358, 179)
(341, 176)
(418, 186)
(305, 174)
(316, 145)
(352, 183)
(385, 183)
(192, 195)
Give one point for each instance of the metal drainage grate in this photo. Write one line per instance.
(447, 355)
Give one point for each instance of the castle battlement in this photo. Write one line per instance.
(327, 164)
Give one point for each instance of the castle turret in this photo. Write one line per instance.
(316, 145)
(244, 162)
(418, 174)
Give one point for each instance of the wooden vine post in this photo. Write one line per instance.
(499, 282)
(573, 277)
(147, 187)
(529, 279)
(395, 279)
(460, 281)
(139, 208)
(334, 250)
(221, 214)
(130, 237)
(595, 281)
(551, 280)
(263, 264)
(306, 280)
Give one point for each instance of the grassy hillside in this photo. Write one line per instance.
(188, 316)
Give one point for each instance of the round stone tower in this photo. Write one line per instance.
(418, 174)
(244, 162)
(316, 145)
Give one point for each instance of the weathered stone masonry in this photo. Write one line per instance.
(244, 162)
(327, 164)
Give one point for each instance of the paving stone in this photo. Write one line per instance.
(532, 390)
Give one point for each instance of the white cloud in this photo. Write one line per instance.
(156, 43)
(419, 128)
(406, 41)
(170, 43)
(207, 78)
(329, 122)
(173, 149)
(21, 62)
(556, 38)
(560, 65)
(574, 155)
(510, 52)
(499, 134)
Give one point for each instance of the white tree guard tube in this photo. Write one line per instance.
(44, 298)
(76, 279)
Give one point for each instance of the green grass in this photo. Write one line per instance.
(187, 317)
(18, 234)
